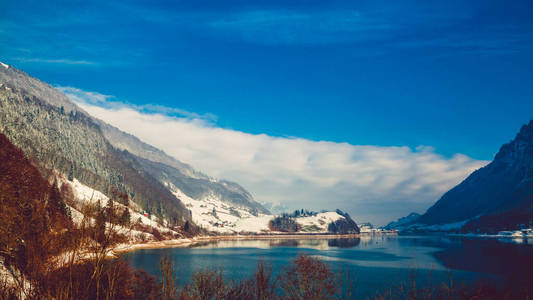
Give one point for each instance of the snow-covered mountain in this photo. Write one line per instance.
(217, 216)
(54, 132)
(50, 127)
(496, 197)
(167, 169)
(95, 158)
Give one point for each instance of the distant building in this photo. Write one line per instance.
(366, 227)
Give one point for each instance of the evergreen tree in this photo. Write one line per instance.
(55, 203)
(187, 226)
(70, 176)
(125, 217)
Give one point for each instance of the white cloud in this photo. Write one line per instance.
(79, 96)
(93, 98)
(373, 183)
(62, 61)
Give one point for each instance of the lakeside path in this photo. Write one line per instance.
(186, 242)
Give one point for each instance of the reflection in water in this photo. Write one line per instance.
(317, 244)
(344, 243)
(515, 261)
(284, 243)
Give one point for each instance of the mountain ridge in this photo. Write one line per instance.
(197, 185)
(492, 196)
(18, 80)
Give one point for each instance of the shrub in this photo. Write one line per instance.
(308, 278)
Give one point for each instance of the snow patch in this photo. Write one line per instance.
(86, 195)
(215, 215)
(77, 216)
(254, 224)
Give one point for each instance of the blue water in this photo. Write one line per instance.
(376, 262)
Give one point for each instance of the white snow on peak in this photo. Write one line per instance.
(4, 65)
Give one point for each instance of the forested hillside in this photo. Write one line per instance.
(32, 213)
(73, 144)
(202, 187)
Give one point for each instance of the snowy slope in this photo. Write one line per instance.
(210, 213)
(215, 215)
(318, 222)
(85, 195)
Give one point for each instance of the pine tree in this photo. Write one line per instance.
(125, 217)
(55, 203)
(71, 173)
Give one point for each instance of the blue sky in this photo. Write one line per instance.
(455, 76)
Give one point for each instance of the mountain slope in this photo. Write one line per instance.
(32, 216)
(403, 222)
(72, 143)
(182, 176)
(503, 187)
(47, 124)
(19, 80)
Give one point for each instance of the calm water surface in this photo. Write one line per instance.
(376, 262)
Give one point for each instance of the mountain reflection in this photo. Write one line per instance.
(344, 243)
(489, 256)
(317, 244)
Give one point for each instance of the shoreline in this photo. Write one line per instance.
(186, 242)
(492, 236)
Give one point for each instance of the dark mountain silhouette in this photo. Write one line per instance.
(496, 197)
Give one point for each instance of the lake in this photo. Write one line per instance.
(376, 261)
